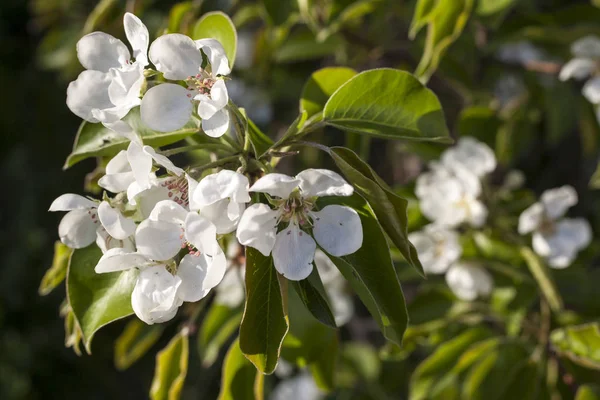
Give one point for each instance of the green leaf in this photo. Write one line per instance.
(177, 14)
(260, 141)
(372, 267)
(72, 329)
(387, 103)
(445, 20)
(265, 322)
(580, 344)
(588, 392)
(489, 7)
(323, 368)
(479, 122)
(320, 86)
(595, 179)
(171, 369)
(389, 208)
(278, 12)
(313, 296)
(57, 271)
(217, 25)
(135, 341)
(360, 360)
(544, 279)
(217, 327)
(95, 140)
(303, 46)
(97, 299)
(239, 379)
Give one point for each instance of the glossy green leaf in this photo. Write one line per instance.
(239, 379)
(389, 208)
(265, 321)
(135, 341)
(171, 369)
(177, 14)
(303, 45)
(489, 7)
(372, 267)
(72, 330)
(217, 327)
(57, 271)
(445, 359)
(543, 277)
(387, 103)
(96, 140)
(260, 141)
(97, 299)
(588, 392)
(313, 296)
(580, 344)
(320, 86)
(217, 25)
(423, 11)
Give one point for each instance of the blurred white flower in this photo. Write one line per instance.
(110, 86)
(449, 197)
(437, 247)
(335, 285)
(222, 198)
(556, 239)
(585, 64)
(470, 154)
(169, 106)
(336, 228)
(521, 52)
(300, 387)
(469, 281)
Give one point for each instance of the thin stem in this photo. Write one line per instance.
(205, 146)
(215, 164)
(232, 143)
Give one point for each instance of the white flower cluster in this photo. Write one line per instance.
(168, 227)
(448, 196)
(555, 238)
(586, 52)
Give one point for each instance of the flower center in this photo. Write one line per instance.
(296, 208)
(201, 83)
(177, 190)
(547, 226)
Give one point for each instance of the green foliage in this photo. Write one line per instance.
(217, 25)
(313, 296)
(321, 85)
(543, 278)
(265, 321)
(97, 299)
(369, 104)
(171, 369)
(580, 344)
(135, 341)
(57, 271)
(218, 326)
(239, 379)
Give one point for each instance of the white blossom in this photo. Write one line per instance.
(336, 228)
(78, 228)
(585, 64)
(154, 298)
(222, 198)
(469, 281)
(300, 387)
(556, 239)
(470, 154)
(169, 106)
(437, 247)
(231, 292)
(110, 86)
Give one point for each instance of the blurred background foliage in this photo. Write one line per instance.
(492, 63)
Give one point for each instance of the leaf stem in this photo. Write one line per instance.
(215, 164)
(204, 146)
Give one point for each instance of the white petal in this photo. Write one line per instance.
(169, 211)
(88, 92)
(216, 55)
(338, 230)
(114, 222)
(293, 253)
(577, 68)
(106, 242)
(159, 240)
(224, 184)
(323, 182)
(469, 281)
(591, 90)
(217, 125)
(275, 184)
(477, 213)
(138, 37)
(126, 84)
(217, 213)
(258, 227)
(166, 107)
(70, 201)
(121, 128)
(192, 184)
(202, 233)
(531, 218)
(118, 182)
(587, 47)
(234, 210)
(199, 274)
(77, 229)
(561, 244)
(141, 164)
(100, 51)
(210, 105)
(541, 244)
(231, 290)
(176, 56)
(118, 259)
(163, 161)
(557, 201)
(147, 199)
(118, 163)
(470, 155)
(578, 230)
(437, 248)
(154, 298)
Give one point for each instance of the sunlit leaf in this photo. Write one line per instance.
(57, 271)
(135, 341)
(580, 344)
(240, 380)
(217, 25)
(171, 369)
(321, 85)
(217, 327)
